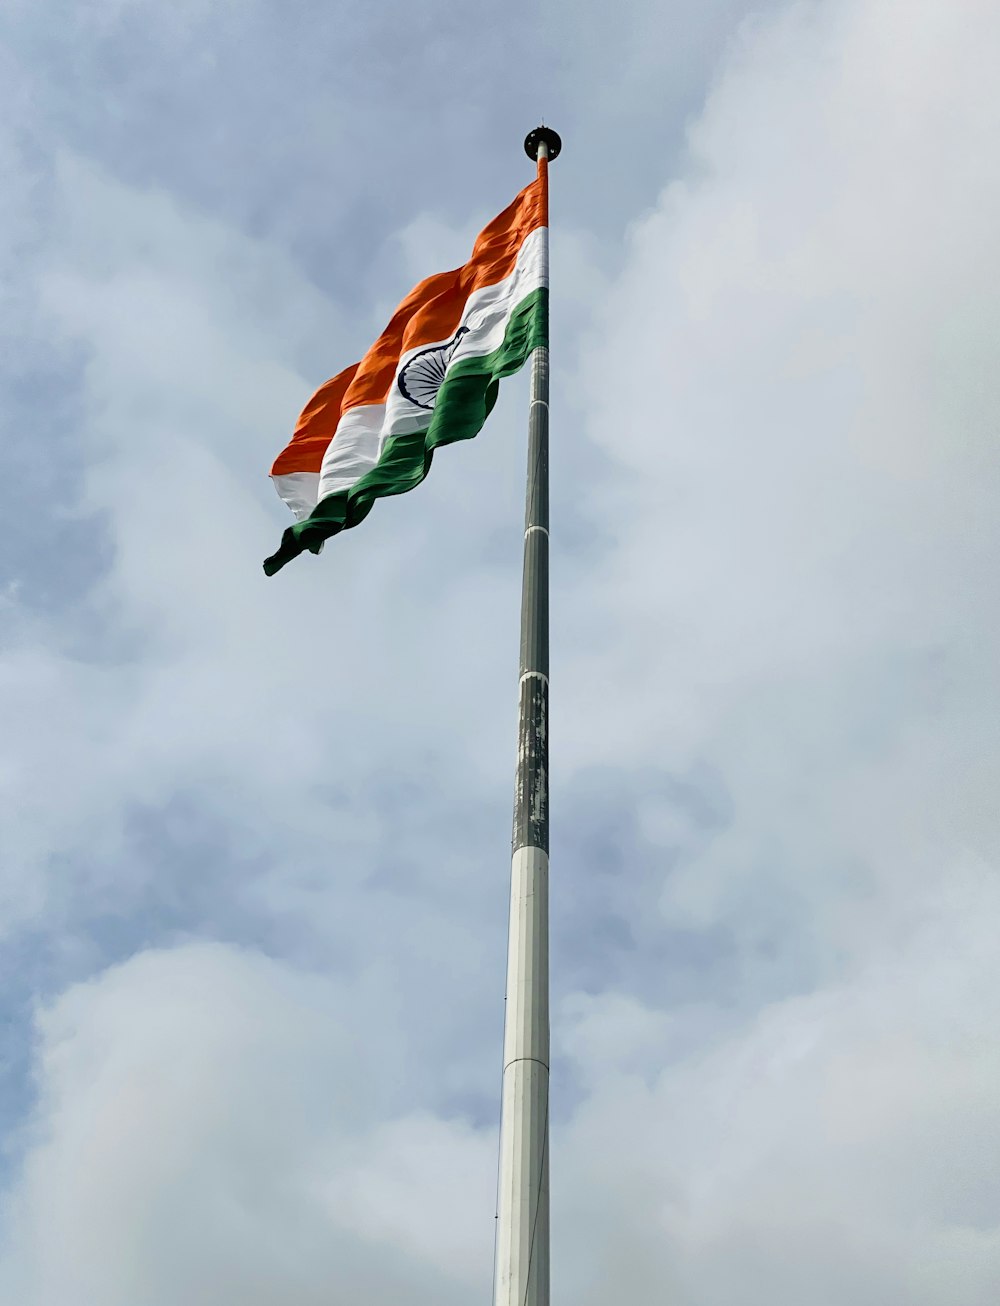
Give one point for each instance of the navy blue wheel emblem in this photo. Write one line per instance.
(421, 378)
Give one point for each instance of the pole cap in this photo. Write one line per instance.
(542, 134)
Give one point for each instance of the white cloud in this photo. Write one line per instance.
(790, 381)
(211, 1123)
(840, 1147)
(780, 436)
(194, 1105)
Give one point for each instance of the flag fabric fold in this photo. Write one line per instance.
(430, 379)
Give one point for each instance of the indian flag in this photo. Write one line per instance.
(430, 379)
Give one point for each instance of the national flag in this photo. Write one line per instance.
(430, 379)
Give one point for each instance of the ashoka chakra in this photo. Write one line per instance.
(421, 378)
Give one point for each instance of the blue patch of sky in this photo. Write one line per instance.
(608, 929)
(53, 550)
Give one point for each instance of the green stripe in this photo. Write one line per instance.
(463, 404)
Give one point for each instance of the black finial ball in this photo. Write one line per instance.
(542, 134)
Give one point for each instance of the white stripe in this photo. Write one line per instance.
(353, 450)
(300, 490)
(362, 432)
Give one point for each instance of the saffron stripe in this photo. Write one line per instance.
(463, 403)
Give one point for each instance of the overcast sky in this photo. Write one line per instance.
(254, 834)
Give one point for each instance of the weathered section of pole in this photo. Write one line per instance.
(522, 1260)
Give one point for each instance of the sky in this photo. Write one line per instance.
(254, 834)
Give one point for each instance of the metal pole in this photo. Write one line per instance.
(522, 1261)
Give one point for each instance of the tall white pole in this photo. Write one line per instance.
(522, 1261)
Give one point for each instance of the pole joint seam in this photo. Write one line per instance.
(529, 529)
(537, 1060)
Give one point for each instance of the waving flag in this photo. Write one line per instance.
(430, 379)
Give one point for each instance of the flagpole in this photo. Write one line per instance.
(522, 1258)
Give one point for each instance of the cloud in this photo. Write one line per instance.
(790, 386)
(835, 1147)
(200, 1118)
(774, 720)
(803, 457)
